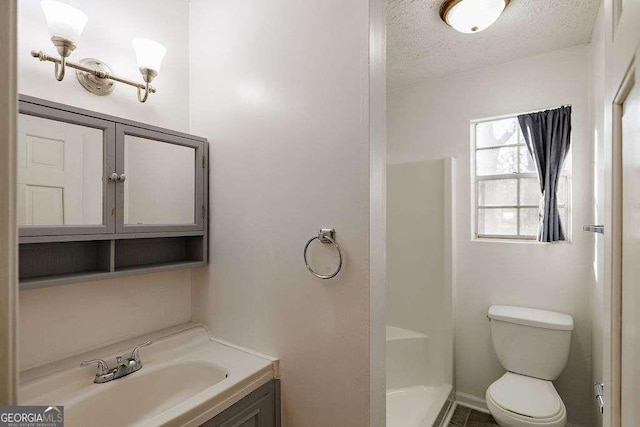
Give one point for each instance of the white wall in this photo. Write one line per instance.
(92, 314)
(281, 90)
(64, 321)
(597, 84)
(432, 121)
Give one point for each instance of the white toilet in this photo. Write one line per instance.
(533, 346)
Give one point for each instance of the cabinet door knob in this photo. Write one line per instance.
(122, 178)
(113, 177)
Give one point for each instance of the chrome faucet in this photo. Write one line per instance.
(125, 366)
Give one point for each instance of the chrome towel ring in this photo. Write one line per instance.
(327, 236)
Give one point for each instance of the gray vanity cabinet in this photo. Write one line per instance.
(261, 408)
(101, 196)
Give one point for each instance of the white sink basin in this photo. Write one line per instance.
(186, 379)
(142, 394)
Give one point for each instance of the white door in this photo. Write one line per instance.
(630, 292)
(50, 159)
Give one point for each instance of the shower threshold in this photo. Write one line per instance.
(416, 406)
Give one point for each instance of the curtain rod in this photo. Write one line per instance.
(508, 116)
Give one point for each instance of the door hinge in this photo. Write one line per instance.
(203, 211)
(204, 162)
(599, 392)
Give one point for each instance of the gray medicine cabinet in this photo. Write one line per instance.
(100, 196)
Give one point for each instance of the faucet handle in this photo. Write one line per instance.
(134, 354)
(103, 368)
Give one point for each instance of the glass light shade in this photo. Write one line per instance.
(472, 16)
(149, 53)
(63, 20)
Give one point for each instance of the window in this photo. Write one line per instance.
(507, 192)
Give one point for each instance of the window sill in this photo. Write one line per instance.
(518, 241)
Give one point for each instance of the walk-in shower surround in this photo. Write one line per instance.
(432, 121)
(93, 314)
(420, 253)
(419, 296)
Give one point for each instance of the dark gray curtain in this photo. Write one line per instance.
(548, 134)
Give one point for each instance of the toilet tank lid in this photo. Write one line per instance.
(531, 317)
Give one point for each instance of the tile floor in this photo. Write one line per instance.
(467, 417)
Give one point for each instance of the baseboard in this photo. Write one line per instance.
(471, 401)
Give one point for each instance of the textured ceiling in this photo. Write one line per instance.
(421, 47)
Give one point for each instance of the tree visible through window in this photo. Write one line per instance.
(507, 192)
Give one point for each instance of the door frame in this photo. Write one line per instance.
(622, 40)
(8, 230)
(613, 245)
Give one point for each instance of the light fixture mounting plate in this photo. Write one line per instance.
(93, 83)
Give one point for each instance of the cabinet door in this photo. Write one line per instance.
(161, 186)
(64, 163)
(258, 409)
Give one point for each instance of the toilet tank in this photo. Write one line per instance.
(529, 341)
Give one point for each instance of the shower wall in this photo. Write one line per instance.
(419, 258)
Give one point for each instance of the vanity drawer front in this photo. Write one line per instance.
(259, 409)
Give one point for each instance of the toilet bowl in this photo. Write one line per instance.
(533, 346)
(520, 401)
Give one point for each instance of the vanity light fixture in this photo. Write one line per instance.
(471, 16)
(65, 28)
(149, 56)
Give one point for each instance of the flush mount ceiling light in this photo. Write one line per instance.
(65, 28)
(471, 16)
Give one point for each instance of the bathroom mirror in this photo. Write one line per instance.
(160, 182)
(101, 196)
(59, 173)
(161, 179)
(63, 155)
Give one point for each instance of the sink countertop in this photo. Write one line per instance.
(188, 347)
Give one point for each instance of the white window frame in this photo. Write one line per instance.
(475, 180)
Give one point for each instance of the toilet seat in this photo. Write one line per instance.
(520, 401)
